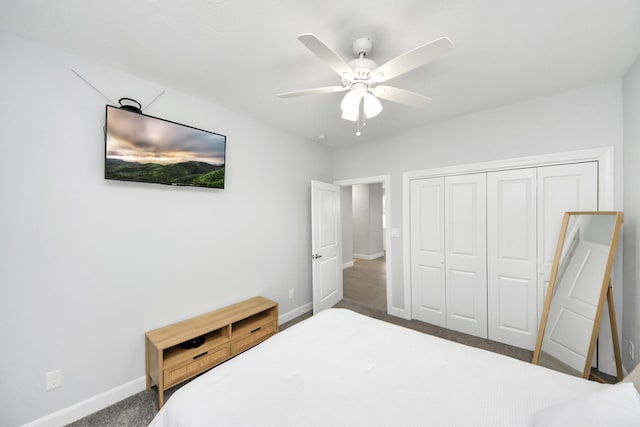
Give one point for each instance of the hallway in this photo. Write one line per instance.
(365, 283)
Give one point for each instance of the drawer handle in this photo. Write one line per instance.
(200, 355)
(256, 329)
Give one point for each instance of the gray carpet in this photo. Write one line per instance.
(139, 409)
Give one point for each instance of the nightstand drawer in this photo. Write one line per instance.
(256, 336)
(200, 363)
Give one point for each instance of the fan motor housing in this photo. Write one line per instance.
(362, 46)
(362, 68)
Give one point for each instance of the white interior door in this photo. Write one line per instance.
(511, 257)
(465, 254)
(427, 250)
(571, 316)
(326, 235)
(561, 188)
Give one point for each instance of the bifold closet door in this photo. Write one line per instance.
(465, 253)
(482, 246)
(561, 188)
(511, 257)
(427, 251)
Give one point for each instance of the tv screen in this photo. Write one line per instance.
(148, 149)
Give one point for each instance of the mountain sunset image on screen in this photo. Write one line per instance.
(148, 149)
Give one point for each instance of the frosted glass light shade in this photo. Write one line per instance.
(350, 115)
(372, 106)
(351, 105)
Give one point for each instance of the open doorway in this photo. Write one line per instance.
(364, 244)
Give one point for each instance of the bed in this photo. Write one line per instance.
(340, 368)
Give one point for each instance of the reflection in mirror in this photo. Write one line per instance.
(577, 290)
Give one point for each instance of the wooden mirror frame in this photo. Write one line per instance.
(606, 291)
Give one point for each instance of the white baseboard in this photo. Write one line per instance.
(93, 404)
(290, 315)
(369, 257)
(347, 265)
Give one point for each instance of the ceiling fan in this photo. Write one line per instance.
(361, 77)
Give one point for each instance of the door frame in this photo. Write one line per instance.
(385, 180)
(605, 158)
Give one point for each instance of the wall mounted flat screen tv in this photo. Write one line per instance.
(148, 149)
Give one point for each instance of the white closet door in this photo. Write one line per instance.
(465, 258)
(561, 188)
(511, 257)
(427, 250)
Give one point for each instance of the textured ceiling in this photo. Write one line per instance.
(240, 54)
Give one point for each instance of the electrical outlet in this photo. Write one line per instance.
(54, 379)
(632, 354)
(291, 293)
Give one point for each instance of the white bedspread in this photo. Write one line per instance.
(340, 368)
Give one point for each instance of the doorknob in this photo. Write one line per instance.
(316, 256)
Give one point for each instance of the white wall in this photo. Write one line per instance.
(360, 218)
(631, 241)
(367, 220)
(375, 219)
(585, 118)
(88, 265)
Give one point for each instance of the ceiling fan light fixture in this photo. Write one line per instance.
(351, 104)
(351, 115)
(372, 106)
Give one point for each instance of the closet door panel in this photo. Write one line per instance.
(561, 188)
(511, 255)
(465, 254)
(427, 251)
(461, 307)
(517, 317)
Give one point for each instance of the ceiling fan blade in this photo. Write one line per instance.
(400, 96)
(325, 53)
(314, 91)
(412, 59)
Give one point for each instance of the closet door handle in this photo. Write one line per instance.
(316, 256)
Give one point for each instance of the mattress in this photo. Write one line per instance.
(340, 368)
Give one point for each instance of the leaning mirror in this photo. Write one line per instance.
(580, 284)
